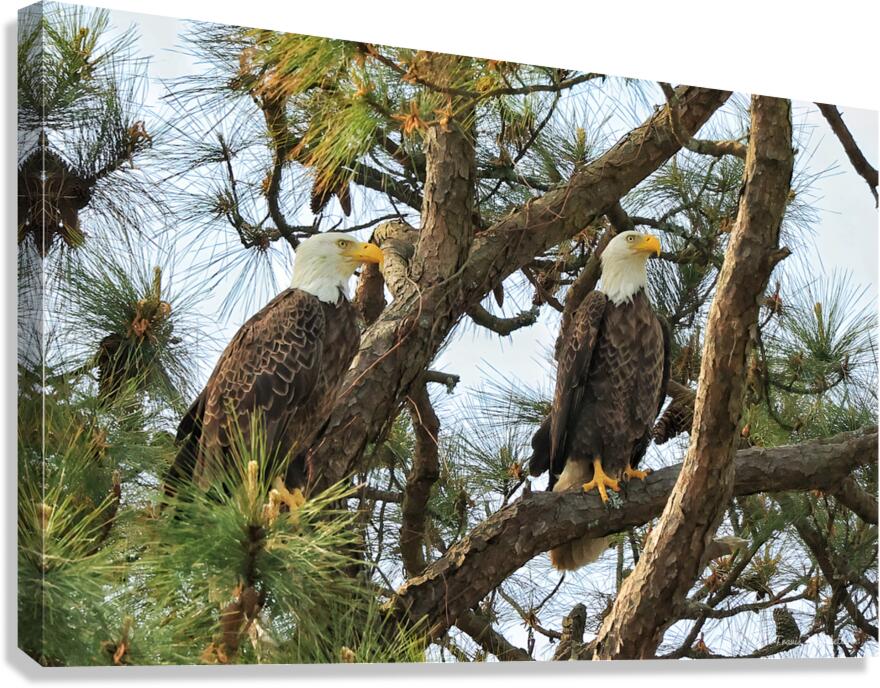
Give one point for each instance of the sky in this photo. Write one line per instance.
(845, 239)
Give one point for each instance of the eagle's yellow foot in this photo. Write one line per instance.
(600, 481)
(631, 473)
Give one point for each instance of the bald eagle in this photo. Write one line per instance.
(610, 386)
(283, 368)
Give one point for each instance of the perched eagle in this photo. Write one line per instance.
(283, 367)
(610, 386)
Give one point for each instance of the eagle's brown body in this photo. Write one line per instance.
(283, 367)
(610, 385)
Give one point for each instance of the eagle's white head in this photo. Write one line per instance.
(624, 265)
(324, 264)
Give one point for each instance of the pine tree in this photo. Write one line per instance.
(424, 543)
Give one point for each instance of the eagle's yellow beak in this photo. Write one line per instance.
(649, 244)
(364, 253)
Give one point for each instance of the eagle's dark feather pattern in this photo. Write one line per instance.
(283, 366)
(613, 368)
(610, 386)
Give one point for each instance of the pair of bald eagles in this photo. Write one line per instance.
(284, 369)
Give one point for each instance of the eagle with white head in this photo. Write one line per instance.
(613, 367)
(284, 367)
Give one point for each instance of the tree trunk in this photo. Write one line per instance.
(650, 597)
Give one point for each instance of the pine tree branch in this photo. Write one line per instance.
(529, 617)
(706, 147)
(857, 500)
(543, 520)
(424, 473)
(541, 294)
(371, 178)
(815, 542)
(853, 152)
(450, 380)
(446, 89)
(503, 326)
(480, 629)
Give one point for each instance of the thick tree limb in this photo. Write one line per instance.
(424, 473)
(450, 177)
(650, 596)
(396, 349)
(858, 501)
(480, 629)
(853, 152)
(543, 520)
(369, 298)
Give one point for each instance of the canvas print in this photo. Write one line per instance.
(340, 352)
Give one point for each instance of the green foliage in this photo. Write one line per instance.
(69, 491)
(79, 93)
(141, 325)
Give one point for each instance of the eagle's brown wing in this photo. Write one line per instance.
(667, 362)
(575, 354)
(269, 368)
(642, 446)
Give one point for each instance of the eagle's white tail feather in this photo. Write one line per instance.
(582, 551)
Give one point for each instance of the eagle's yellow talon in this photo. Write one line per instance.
(631, 472)
(600, 481)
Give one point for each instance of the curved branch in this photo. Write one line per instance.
(479, 628)
(424, 473)
(503, 326)
(541, 521)
(853, 152)
(857, 500)
(716, 149)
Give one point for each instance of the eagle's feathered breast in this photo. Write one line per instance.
(283, 367)
(610, 384)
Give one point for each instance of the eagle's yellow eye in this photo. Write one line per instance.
(342, 243)
(630, 238)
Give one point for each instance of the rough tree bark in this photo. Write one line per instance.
(403, 340)
(649, 598)
(540, 521)
(424, 473)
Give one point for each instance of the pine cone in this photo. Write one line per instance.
(787, 630)
(755, 583)
(676, 419)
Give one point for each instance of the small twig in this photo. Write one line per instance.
(503, 326)
(450, 380)
(706, 147)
